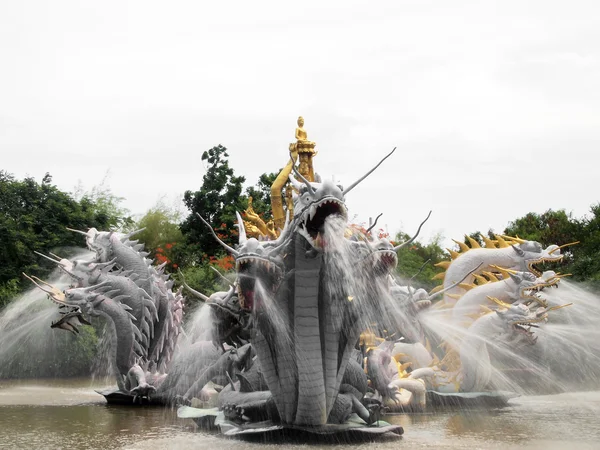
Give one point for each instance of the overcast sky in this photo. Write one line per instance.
(494, 106)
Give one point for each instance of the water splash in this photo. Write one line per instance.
(30, 348)
(566, 356)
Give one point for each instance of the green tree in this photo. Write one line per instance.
(551, 227)
(34, 217)
(162, 236)
(586, 266)
(217, 200)
(418, 260)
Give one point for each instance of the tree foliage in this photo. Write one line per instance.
(217, 201)
(551, 227)
(586, 266)
(417, 260)
(162, 236)
(34, 217)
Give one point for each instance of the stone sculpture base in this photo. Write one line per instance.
(117, 397)
(351, 431)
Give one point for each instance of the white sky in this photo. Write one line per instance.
(494, 106)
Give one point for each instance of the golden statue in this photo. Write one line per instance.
(301, 152)
(255, 225)
(300, 131)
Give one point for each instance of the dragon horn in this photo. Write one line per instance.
(199, 295)
(51, 291)
(298, 174)
(398, 247)
(498, 301)
(96, 286)
(241, 228)
(47, 257)
(221, 275)
(374, 223)
(62, 266)
(225, 246)
(133, 233)
(353, 185)
(563, 246)
(420, 269)
(77, 231)
(297, 185)
(34, 278)
(554, 308)
(516, 239)
(562, 275)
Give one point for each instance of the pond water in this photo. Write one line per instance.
(69, 414)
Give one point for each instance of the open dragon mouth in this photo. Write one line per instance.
(532, 292)
(313, 227)
(253, 268)
(524, 328)
(384, 261)
(531, 265)
(533, 269)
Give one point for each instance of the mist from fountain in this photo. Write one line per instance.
(28, 346)
(565, 356)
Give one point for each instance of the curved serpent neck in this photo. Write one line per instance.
(123, 335)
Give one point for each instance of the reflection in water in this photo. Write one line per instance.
(69, 414)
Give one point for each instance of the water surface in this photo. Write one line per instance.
(69, 414)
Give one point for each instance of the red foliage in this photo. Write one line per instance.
(164, 255)
(225, 263)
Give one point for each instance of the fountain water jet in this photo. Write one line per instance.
(283, 346)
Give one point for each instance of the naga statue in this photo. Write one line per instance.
(490, 296)
(293, 342)
(505, 251)
(143, 313)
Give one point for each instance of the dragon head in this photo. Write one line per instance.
(82, 273)
(255, 260)
(314, 202)
(79, 300)
(530, 253)
(517, 320)
(379, 255)
(97, 241)
(529, 285)
(258, 260)
(382, 254)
